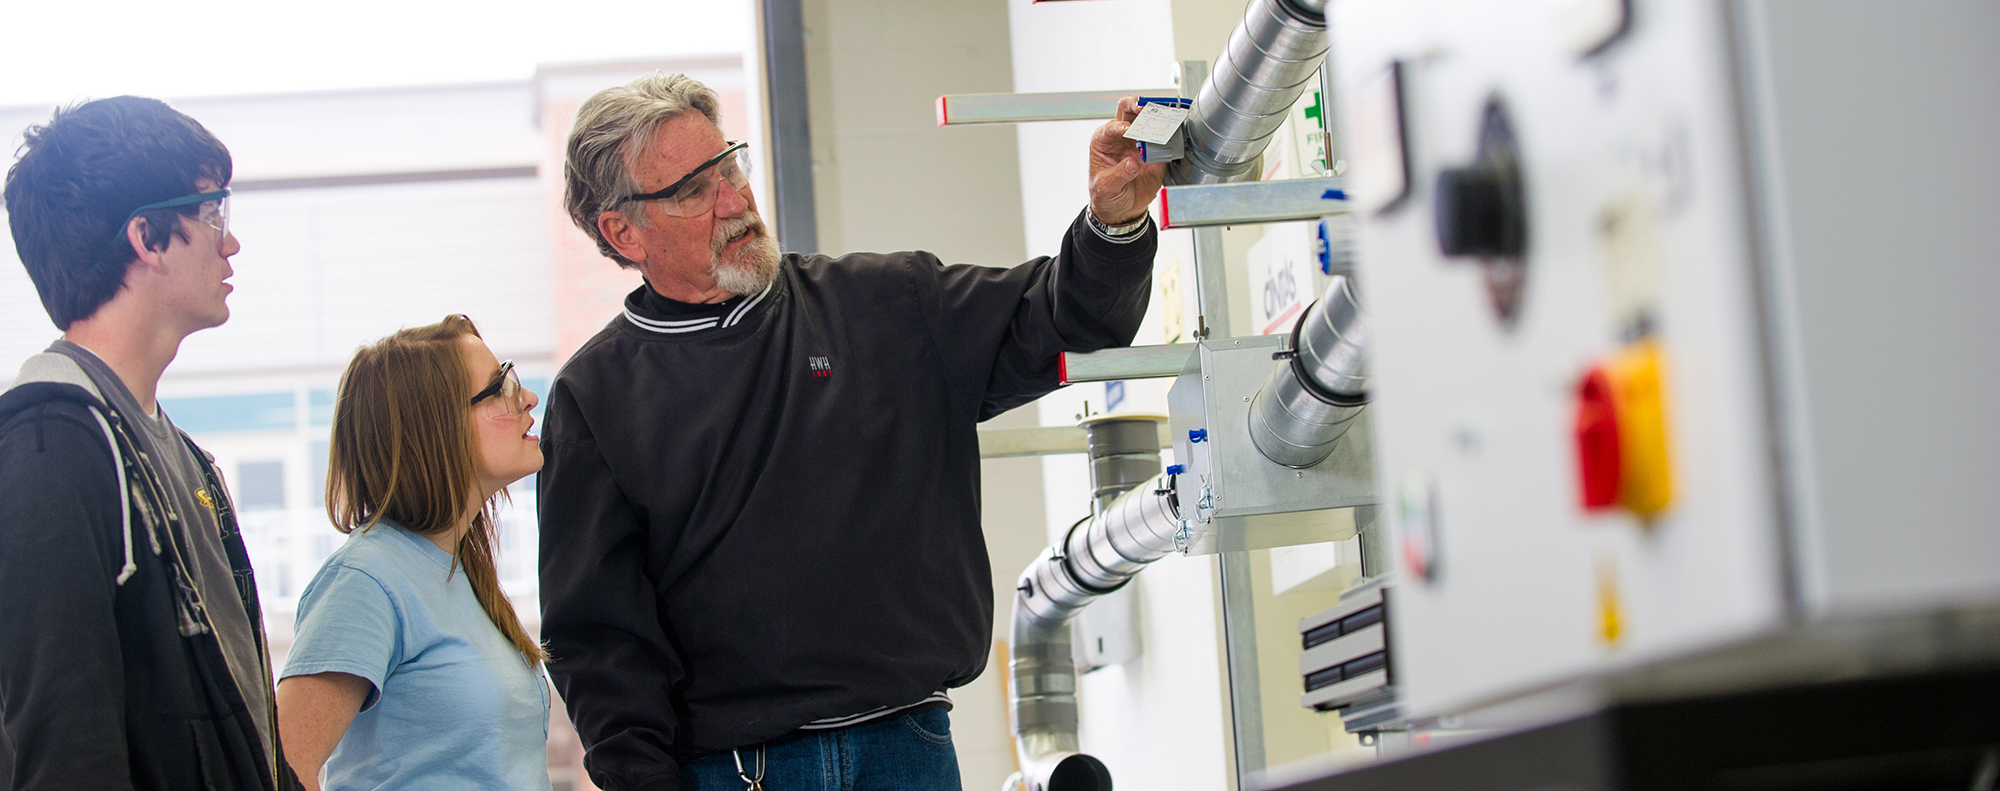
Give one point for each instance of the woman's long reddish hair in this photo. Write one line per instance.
(403, 450)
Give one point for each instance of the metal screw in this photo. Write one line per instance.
(1246, 399)
(1238, 343)
(1302, 473)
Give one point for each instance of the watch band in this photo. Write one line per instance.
(1118, 233)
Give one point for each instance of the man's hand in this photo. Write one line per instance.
(1121, 187)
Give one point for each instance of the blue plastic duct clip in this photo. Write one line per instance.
(1175, 469)
(1198, 435)
(1334, 195)
(1323, 247)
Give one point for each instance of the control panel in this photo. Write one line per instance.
(1569, 411)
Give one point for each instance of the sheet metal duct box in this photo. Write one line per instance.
(1684, 337)
(1232, 496)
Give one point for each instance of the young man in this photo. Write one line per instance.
(761, 554)
(132, 651)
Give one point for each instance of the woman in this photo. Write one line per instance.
(410, 668)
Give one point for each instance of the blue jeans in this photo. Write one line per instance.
(904, 752)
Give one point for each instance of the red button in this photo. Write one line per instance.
(1597, 454)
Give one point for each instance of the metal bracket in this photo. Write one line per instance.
(1002, 443)
(1132, 362)
(1248, 202)
(1014, 108)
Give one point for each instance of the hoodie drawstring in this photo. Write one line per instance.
(124, 495)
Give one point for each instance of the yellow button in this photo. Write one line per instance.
(1610, 612)
(1646, 486)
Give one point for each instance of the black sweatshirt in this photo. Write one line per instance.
(760, 519)
(101, 684)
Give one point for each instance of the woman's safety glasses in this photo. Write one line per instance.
(506, 391)
(212, 209)
(694, 194)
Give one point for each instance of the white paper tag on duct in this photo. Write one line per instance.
(1156, 123)
(1162, 152)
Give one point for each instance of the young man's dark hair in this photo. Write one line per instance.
(79, 178)
(132, 650)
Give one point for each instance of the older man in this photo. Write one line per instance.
(761, 553)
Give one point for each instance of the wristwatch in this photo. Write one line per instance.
(1118, 232)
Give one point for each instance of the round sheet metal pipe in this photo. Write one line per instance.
(1124, 450)
(1269, 61)
(1307, 404)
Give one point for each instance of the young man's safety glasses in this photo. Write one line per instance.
(212, 211)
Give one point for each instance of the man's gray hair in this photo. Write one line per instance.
(610, 135)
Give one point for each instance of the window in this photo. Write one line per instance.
(316, 458)
(260, 485)
(213, 414)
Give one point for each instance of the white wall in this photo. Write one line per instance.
(885, 177)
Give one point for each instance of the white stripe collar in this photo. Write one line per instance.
(737, 314)
(679, 326)
(678, 322)
(670, 327)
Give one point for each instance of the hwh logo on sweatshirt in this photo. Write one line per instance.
(821, 366)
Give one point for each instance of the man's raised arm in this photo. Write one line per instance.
(1002, 329)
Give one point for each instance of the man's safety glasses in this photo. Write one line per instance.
(213, 211)
(506, 391)
(694, 194)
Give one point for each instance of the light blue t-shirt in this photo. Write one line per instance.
(454, 705)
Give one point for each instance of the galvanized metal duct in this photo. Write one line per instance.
(1099, 557)
(1269, 61)
(1135, 524)
(1124, 451)
(1307, 404)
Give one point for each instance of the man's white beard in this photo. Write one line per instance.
(751, 268)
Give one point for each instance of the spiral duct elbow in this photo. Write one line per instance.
(1095, 558)
(1133, 524)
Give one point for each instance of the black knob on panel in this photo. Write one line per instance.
(1481, 208)
(1472, 213)
(1481, 211)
